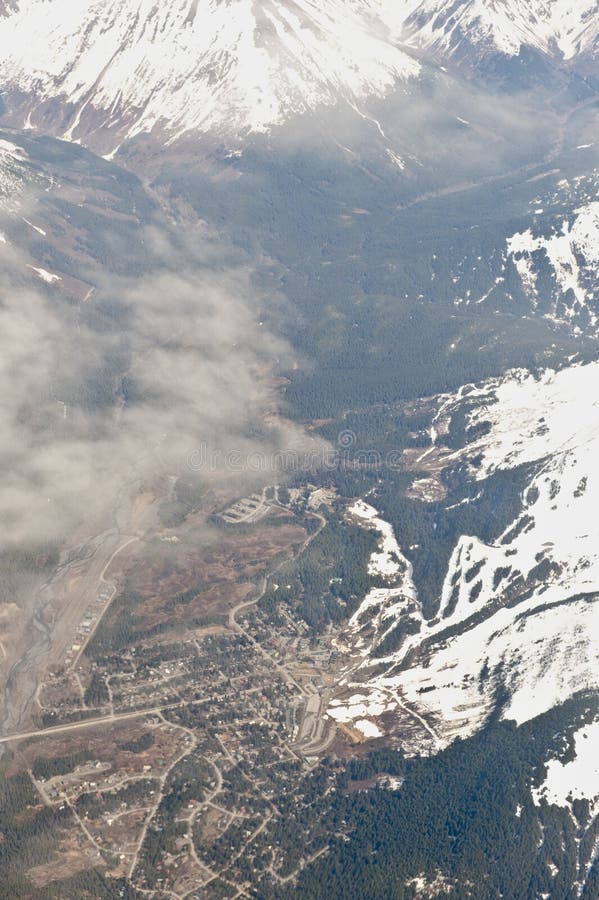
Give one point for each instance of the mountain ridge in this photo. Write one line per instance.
(558, 28)
(109, 70)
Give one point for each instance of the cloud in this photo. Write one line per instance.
(98, 398)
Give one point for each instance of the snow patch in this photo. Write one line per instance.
(386, 561)
(572, 253)
(35, 227)
(48, 277)
(578, 778)
(369, 729)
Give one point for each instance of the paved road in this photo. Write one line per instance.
(88, 723)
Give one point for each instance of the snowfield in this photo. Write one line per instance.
(520, 613)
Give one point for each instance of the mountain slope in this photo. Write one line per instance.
(517, 622)
(126, 68)
(555, 27)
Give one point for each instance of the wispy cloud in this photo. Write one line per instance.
(97, 397)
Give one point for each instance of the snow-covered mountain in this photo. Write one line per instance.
(104, 71)
(123, 67)
(517, 626)
(562, 28)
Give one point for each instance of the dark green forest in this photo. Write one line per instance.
(466, 814)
